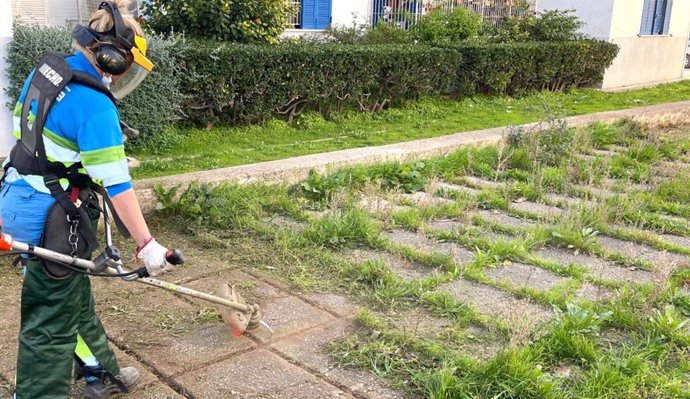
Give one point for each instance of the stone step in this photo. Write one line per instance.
(498, 304)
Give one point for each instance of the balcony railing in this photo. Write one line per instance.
(295, 20)
(404, 13)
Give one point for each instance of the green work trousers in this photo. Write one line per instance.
(52, 312)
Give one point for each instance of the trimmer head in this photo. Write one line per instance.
(238, 321)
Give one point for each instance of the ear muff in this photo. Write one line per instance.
(113, 48)
(112, 59)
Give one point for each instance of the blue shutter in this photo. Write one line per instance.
(316, 14)
(323, 14)
(659, 10)
(667, 17)
(308, 14)
(647, 26)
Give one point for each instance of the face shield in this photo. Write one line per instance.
(137, 72)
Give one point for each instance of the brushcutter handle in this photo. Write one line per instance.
(174, 257)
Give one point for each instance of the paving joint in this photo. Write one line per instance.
(169, 381)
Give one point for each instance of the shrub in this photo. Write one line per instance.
(248, 84)
(382, 33)
(553, 25)
(441, 27)
(517, 68)
(156, 104)
(246, 21)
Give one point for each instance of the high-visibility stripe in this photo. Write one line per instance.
(111, 173)
(103, 155)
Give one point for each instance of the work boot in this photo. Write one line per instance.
(99, 389)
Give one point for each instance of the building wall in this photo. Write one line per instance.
(646, 60)
(642, 60)
(6, 138)
(347, 12)
(596, 14)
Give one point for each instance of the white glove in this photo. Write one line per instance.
(153, 255)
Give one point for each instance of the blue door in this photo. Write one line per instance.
(316, 14)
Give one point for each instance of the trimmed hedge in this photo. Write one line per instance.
(517, 68)
(154, 105)
(249, 84)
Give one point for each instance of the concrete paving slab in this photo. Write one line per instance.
(417, 322)
(421, 243)
(257, 374)
(285, 222)
(677, 240)
(597, 267)
(593, 293)
(337, 304)
(311, 350)
(505, 220)
(155, 391)
(634, 250)
(446, 225)
(536, 208)
(481, 183)
(379, 205)
(443, 186)
(404, 268)
(563, 199)
(424, 199)
(6, 389)
(520, 275)
(497, 304)
(286, 314)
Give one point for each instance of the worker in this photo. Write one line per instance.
(70, 144)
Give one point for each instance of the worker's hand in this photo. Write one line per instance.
(154, 256)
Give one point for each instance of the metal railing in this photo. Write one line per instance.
(405, 13)
(295, 16)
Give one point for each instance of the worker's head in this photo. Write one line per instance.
(115, 45)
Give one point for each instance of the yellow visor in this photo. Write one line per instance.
(139, 53)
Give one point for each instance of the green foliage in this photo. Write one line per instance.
(342, 229)
(382, 33)
(549, 26)
(223, 207)
(294, 77)
(517, 68)
(245, 21)
(440, 27)
(150, 108)
(604, 134)
(406, 177)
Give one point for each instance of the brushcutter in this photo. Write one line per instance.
(235, 312)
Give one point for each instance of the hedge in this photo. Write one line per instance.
(248, 84)
(517, 68)
(208, 83)
(154, 105)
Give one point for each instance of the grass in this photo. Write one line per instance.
(631, 344)
(190, 149)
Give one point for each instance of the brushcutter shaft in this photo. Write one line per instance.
(7, 241)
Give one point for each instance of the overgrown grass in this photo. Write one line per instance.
(184, 150)
(633, 345)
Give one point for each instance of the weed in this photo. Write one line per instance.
(602, 134)
(341, 229)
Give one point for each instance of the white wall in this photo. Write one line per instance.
(345, 12)
(6, 138)
(596, 14)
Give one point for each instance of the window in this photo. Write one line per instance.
(315, 14)
(656, 17)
